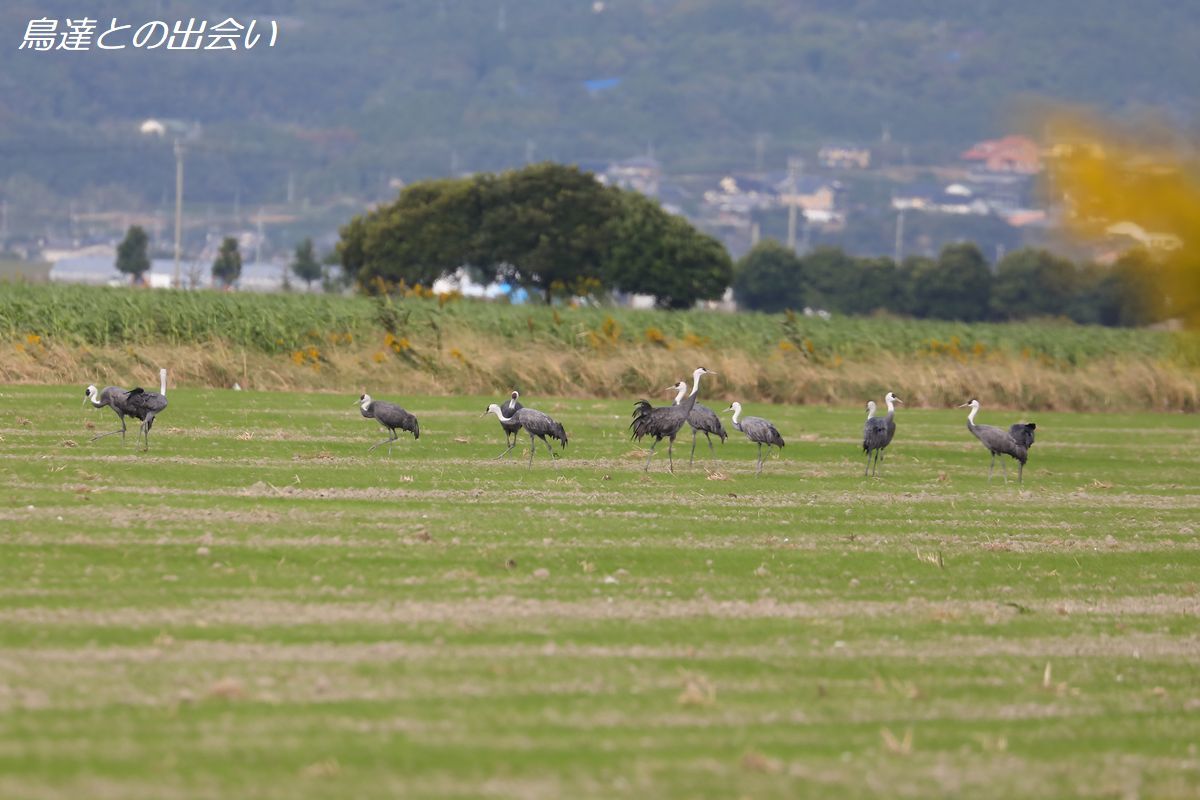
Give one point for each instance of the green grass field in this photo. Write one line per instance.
(259, 608)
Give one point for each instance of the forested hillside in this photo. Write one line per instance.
(357, 92)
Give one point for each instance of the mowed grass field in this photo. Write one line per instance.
(258, 608)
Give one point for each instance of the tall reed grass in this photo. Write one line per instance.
(451, 345)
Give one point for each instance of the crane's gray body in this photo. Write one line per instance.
(537, 424)
(757, 430)
(390, 416)
(1014, 442)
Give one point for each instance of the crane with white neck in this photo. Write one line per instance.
(664, 422)
(1014, 442)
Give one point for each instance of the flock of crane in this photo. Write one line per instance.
(659, 422)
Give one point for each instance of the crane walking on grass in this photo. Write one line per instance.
(664, 422)
(136, 403)
(702, 419)
(878, 431)
(757, 430)
(510, 407)
(1014, 442)
(390, 416)
(535, 423)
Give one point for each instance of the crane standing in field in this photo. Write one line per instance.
(757, 430)
(703, 419)
(878, 431)
(664, 422)
(113, 397)
(136, 403)
(510, 407)
(1014, 442)
(536, 424)
(390, 416)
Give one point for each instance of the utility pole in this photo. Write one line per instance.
(794, 166)
(898, 253)
(178, 280)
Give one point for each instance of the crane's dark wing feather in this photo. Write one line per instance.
(1022, 433)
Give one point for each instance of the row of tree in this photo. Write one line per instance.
(959, 284)
(133, 259)
(550, 228)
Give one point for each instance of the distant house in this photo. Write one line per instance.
(1015, 154)
(641, 174)
(844, 156)
(740, 195)
(809, 193)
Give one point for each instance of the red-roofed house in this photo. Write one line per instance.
(1017, 154)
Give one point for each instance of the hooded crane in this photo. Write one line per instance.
(113, 397)
(878, 431)
(702, 419)
(1015, 441)
(390, 416)
(535, 423)
(510, 407)
(664, 422)
(757, 430)
(137, 403)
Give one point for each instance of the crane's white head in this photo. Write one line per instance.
(972, 403)
(698, 371)
(680, 389)
(891, 398)
(364, 401)
(735, 407)
(495, 409)
(91, 393)
(871, 408)
(515, 394)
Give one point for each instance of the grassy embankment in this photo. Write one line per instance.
(422, 346)
(257, 608)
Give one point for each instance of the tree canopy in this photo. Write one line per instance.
(132, 256)
(550, 228)
(227, 267)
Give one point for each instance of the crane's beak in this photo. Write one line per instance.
(964, 405)
(726, 411)
(897, 400)
(486, 411)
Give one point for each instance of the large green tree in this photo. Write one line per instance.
(656, 253)
(227, 267)
(431, 229)
(769, 278)
(132, 256)
(956, 286)
(546, 227)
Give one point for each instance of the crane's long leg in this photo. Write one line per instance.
(992, 467)
(759, 470)
(507, 451)
(867, 466)
(390, 438)
(646, 468)
(692, 457)
(121, 419)
(711, 450)
(670, 458)
(549, 449)
(146, 425)
(532, 447)
(1004, 466)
